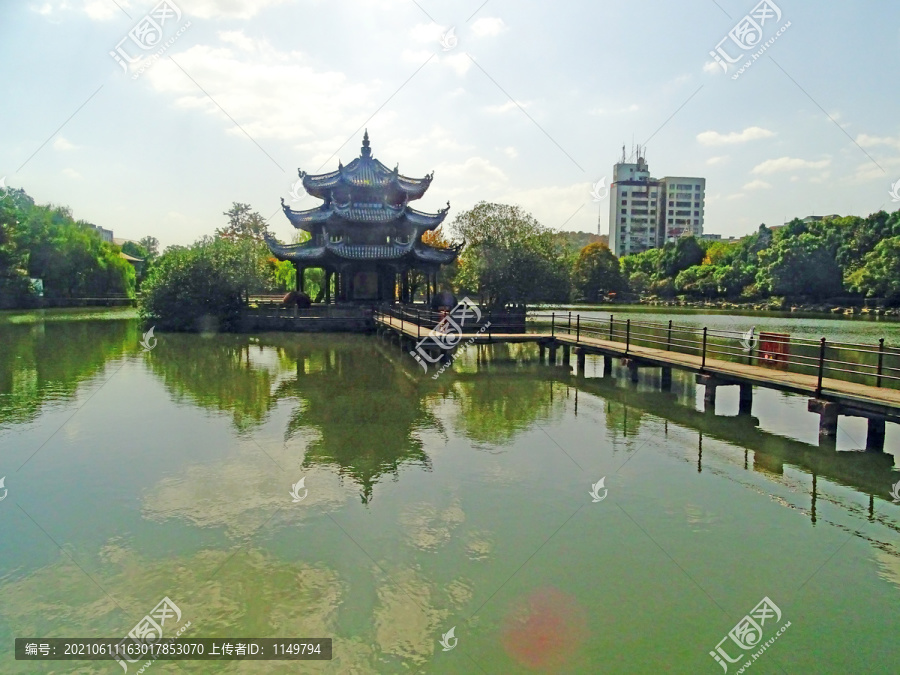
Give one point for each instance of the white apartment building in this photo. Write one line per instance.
(646, 212)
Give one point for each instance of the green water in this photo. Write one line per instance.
(460, 502)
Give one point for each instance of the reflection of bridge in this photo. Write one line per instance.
(787, 364)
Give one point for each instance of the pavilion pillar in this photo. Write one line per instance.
(404, 295)
(428, 289)
(327, 287)
(298, 275)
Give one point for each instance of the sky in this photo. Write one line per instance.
(525, 102)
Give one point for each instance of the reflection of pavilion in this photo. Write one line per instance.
(364, 409)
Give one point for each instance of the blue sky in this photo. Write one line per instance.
(531, 104)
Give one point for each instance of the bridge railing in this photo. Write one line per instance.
(877, 364)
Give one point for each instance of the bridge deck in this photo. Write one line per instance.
(880, 401)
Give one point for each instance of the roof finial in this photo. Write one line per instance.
(366, 150)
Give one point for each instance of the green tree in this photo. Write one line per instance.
(596, 272)
(510, 257)
(799, 265)
(879, 276)
(13, 259)
(207, 283)
(242, 223)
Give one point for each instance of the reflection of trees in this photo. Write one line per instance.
(365, 409)
(218, 373)
(495, 407)
(623, 419)
(44, 362)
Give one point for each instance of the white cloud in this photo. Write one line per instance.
(226, 9)
(867, 141)
(720, 159)
(735, 137)
(62, 144)
(788, 164)
(459, 62)
(757, 185)
(271, 94)
(425, 33)
(739, 195)
(238, 39)
(488, 27)
(712, 67)
(511, 152)
(506, 107)
(71, 173)
(101, 10)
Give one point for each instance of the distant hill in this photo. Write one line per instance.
(575, 241)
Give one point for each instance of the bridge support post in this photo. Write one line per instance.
(552, 350)
(875, 436)
(607, 365)
(828, 416)
(542, 350)
(579, 361)
(632, 366)
(566, 357)
(710, 384)
(666, 381)
(745, 399)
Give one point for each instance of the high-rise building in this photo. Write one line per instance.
(646, 212)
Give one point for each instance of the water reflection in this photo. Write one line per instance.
(44, 363)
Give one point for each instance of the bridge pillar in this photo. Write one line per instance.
(875, 436)
(566, 358)
(579, 361)
(745, 399)
(607, 365)
(542, 352)
(632, 366)
(552, 351)
(666, 382)
(710, 384)
(828, 416)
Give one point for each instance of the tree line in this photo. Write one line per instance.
(511, 258)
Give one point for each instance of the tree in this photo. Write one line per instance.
(596, 272)
(13, 260)
(151, 246)
(209, 282)
(879, 275)
(799, 265)
(242, 223)
(509, 256)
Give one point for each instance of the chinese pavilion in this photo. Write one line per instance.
(365, 235)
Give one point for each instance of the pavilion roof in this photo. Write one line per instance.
(365, 212)
(310, 252)
(365, 172)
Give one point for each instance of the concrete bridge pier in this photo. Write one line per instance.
(542, 353)
(607, 365)
(632, 366)
(828, 416)
(552, 350)
(579, 362)
(666, 381)
(710, 384)
(875, 435)
(745, 399)
(566, 358)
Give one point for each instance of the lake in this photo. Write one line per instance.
(506, 517)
